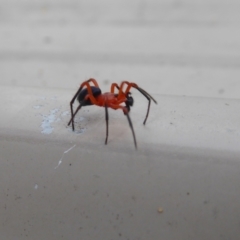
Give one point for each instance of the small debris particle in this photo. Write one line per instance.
(160, 210)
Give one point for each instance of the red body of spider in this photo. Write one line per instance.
(92, 95)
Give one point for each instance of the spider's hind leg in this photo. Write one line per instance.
(143, 92)
(131, 127)
(71, 107)
(89, 90)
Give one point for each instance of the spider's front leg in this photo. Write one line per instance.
(107, 119)
(126, 113)
(131, 126)
(147, 95)
(122, 96)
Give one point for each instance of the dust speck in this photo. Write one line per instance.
(160, 210)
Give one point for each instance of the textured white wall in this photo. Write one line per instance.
(172, 47)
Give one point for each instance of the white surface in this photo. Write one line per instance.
(59, 184)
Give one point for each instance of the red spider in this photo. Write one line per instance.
(92, 95)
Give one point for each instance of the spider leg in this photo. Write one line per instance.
(73, 115)
(93, 81)
(126, 112)
(131, 126)
(113, 86)
(87, 84)
(149, 104)
(71, 107)
(122, 87)
(146, 94)
(107, 118)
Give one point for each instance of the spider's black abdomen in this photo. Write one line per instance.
(81, 96)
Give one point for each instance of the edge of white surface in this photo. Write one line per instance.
(204, 123)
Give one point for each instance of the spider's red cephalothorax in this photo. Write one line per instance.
(92, 95)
